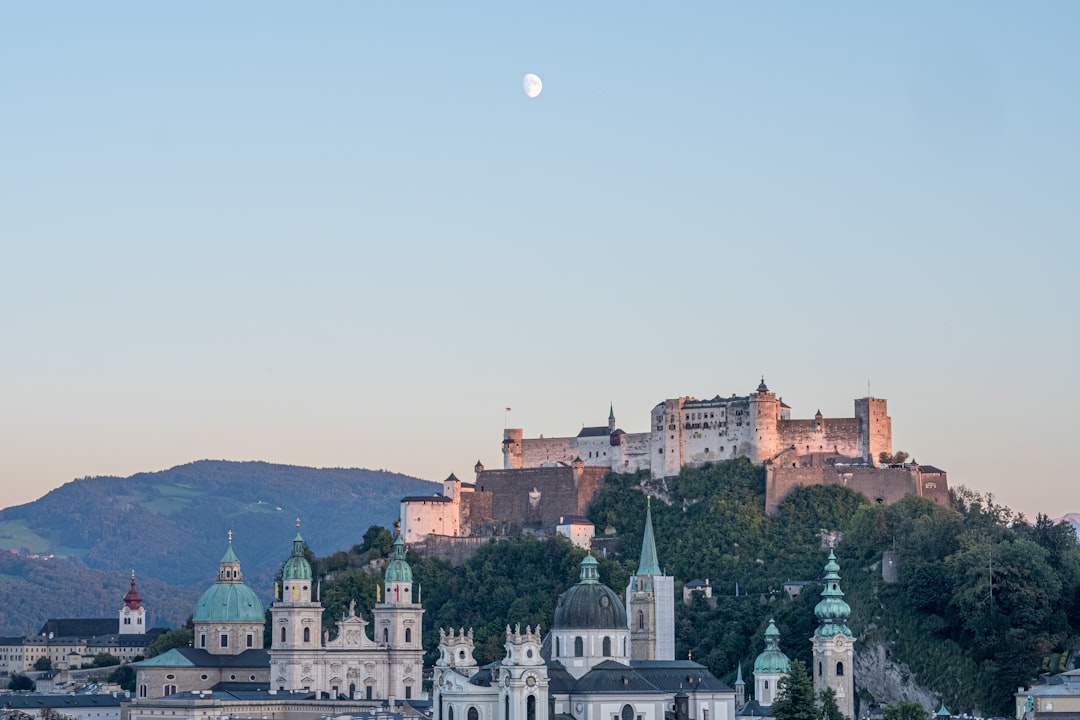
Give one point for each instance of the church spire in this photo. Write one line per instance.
(649, 565)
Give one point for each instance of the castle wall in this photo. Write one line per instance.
(595, 451)
(832, 435)
(878, 484)
(876, 428)
(540, 496)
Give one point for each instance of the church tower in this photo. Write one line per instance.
(133, 614)
(524, 693)
(770, 666)
(650, 603)
(297, 626)
(833, 642)
(397, 626)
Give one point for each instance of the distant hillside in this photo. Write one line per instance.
(1071, 518)
(171, 526)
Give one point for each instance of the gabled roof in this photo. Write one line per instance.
(427, 498)
(80, 627)
(612, 677)
(197, 657)
(676, 675)
(598, 431)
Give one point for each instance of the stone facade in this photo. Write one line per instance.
(686, 431)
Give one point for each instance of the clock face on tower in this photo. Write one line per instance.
(530, 681)
(839, 642)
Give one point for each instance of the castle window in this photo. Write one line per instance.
(839, 669)
(579, 647)
(607, 647)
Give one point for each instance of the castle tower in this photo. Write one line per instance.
(478, 468)
(833, 642)
(875, 428)
(769, 667)
(511, 448)
(524, 690)
(296, 640)
(765, 416)
(650, 603)
(228, 618)
(398, 626)
(133, 614)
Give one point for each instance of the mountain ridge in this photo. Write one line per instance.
(172, 525)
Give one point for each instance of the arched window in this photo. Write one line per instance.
(607, 647)
(307, 634)
(839, 668)
(819, 669)
(352, 691)
(579, 647)
(530, 708)
(627, 712)
(474, 714)
(168, 690)
(766, 684)
(558, 647)
(506, 708)
(450, 713)
(408, 635)
(282, 634)
(640, 620)
(142, 691)
(386, 635)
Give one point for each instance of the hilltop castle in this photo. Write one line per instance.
(686, 431)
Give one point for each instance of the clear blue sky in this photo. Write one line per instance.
(340, 234)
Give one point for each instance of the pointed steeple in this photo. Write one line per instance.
(738, 678)
(649, 565)
(611, 418)
(832, 612)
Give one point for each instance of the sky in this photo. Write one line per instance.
(339, 233)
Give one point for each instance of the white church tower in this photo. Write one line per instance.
(834, 645)
(398, 627)
(133, 614)
(769, 667)
(650, 603)
(296, 645)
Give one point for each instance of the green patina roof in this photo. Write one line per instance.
(398, 570)
(172, 658)
(297, 567)
(649, 565)
(831, 611)
(229, 599)
(772, 660)
(738, 678)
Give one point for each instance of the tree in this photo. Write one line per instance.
(104, 659)
(43, 664)
(830, 710)
(178, 638)
(795, 698)
(124, 676)
(20, 682)
(905, 710)
(377, 538)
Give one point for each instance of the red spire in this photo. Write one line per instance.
(133, 600)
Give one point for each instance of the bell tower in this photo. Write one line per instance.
(650, 603)
(834, 645)
(524, 691)
(398, 626)
(133, 614)
(297, 626)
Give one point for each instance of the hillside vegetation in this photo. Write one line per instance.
(171, 528)
(970, 646)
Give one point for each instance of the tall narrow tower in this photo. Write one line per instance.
(769, 667)
(650, 603)
(133, 614)
(297, 626)
(833, 642)
(398, 629)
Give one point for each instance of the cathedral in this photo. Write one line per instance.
(605, 658)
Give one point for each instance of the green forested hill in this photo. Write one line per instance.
(970, 647)
(171, 527)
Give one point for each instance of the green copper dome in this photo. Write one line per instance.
(398, 570)
(590, 605)
(297, 567)
(772, 660)
(229, 599)
(831, 611)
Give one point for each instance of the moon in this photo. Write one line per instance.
(532, 85)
